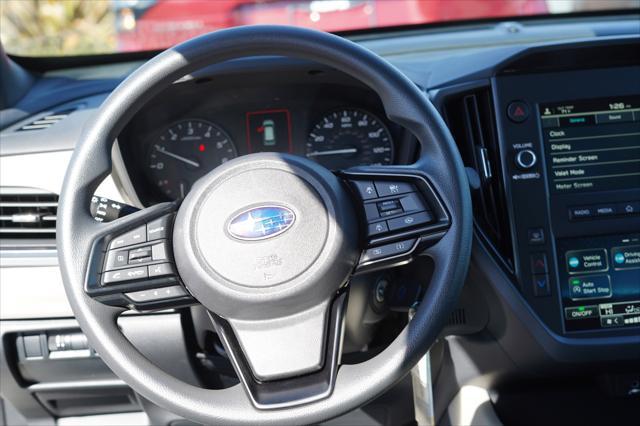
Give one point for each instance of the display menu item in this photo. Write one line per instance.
(592, 145)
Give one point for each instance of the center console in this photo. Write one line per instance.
(570, 154)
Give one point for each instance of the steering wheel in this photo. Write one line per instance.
(268, 243)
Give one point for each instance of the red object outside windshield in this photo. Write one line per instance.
(162, 23)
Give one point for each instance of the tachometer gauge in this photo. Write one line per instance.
(350, 137)
(184, 152)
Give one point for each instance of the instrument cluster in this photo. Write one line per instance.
(167, 148)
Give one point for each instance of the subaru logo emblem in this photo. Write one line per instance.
(259, 223)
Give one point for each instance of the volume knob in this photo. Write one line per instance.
(526, 159)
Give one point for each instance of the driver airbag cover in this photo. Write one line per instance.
(272, 260)
(277, 274)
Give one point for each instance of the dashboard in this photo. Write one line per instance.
(318, 113)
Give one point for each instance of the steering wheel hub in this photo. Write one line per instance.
(265, 230)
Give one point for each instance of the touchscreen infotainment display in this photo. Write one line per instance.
(600, 281)
(592, 145)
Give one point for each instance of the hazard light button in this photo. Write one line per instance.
(518, 111)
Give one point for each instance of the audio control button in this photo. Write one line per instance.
(526, 159)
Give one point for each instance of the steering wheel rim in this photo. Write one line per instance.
(404, 104)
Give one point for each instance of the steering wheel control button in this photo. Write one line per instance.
(518, 111)
(156, 294)
(366, 189)
(121, 275)
(141, 254)
(377, 228)
(388, 205)
(526, 159)
(539, 263)
(389, 213)
(138, 235)
(541, 285)
(161, 269)
(117, 259)
(412, 203)
(386, 189)
(159, 252)
(387, 251)
(409, 221)
(371, 212)
(159, 228)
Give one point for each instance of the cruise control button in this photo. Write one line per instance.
(387, 250)
(160, 270)
(389, 213)
(387, 205)
(409, 221)
(386, 189)
(129, 274)
(371, 212)
(155, 294)
(366, 189)
(158, 229)
(138, 235)
(377, 228)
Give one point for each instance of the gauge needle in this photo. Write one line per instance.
(176, 156)
(333, 152)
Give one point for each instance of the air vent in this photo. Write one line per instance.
(48, 120)
(471, 120)
(28, 214)
(457, 317)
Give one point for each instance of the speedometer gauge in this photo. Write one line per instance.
(184, 152)
(350, 137)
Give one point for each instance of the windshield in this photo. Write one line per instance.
(81, 27)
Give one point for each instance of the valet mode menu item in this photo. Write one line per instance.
(592, 145)
(600, 281)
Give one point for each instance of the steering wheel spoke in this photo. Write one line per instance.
(131, 262)
(399, 212)
(287, 361)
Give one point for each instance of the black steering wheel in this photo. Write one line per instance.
(268, 243)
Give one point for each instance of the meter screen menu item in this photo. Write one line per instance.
(600, 281)
(592, 145)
